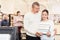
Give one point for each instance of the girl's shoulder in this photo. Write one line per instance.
(50, 22)
(47, 22)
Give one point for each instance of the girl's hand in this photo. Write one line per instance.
(55, 31)
(48, 34)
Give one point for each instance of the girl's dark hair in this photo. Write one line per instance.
(18, 12)
(45, 10)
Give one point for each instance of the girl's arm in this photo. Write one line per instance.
(55, 31)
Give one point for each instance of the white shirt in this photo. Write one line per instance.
(31, 21)
(47, 25)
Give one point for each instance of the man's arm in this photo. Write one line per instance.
(26, 25)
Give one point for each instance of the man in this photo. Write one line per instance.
(5, 21)
(31, 21)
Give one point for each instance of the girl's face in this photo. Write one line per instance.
(44, 15)
(18, 14)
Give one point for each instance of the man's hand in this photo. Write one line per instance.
(38, 34)
(48, 34)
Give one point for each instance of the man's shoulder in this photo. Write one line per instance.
(28, 13)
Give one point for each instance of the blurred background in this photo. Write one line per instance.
(10, 8)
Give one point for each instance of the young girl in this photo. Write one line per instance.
(46, 23)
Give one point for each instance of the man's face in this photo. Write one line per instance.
(36, 8)
(5, 17)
